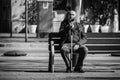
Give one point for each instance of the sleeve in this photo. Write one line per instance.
(82, 35)
(83, 39)
(64, 28)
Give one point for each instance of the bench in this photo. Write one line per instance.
(97, 43)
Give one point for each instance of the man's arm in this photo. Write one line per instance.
(83, 36)
(63, 28)
(83, 39)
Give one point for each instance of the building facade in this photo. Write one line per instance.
(50, 13)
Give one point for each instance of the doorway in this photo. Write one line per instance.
(5, 16)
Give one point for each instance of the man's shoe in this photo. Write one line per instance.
(68, 70)
(79, 70)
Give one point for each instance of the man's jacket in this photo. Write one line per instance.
(79, 37)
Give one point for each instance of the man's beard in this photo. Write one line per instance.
(71, 20)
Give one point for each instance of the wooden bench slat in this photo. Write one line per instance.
(103, 35)
(104, 47)
(103, 41)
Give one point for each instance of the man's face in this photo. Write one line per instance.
(72, 15)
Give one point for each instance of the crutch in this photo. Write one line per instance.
(71, 53)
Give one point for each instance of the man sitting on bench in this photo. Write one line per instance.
(72, 33)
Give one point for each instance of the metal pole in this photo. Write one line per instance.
(10, 22)
(78, 9)
(26, 20)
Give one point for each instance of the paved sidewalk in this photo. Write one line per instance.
(58, 76)
(97, 67)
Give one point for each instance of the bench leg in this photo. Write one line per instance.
(51, 62)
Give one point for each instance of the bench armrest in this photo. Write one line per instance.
(52, 47)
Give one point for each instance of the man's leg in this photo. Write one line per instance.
(82, 53)
(75, 59)
(65, 55)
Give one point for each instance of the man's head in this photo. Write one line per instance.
(72, 15)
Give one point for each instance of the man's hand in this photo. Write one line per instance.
(76, 47)
(71, 25)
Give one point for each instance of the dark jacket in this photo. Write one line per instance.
(79, 37)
